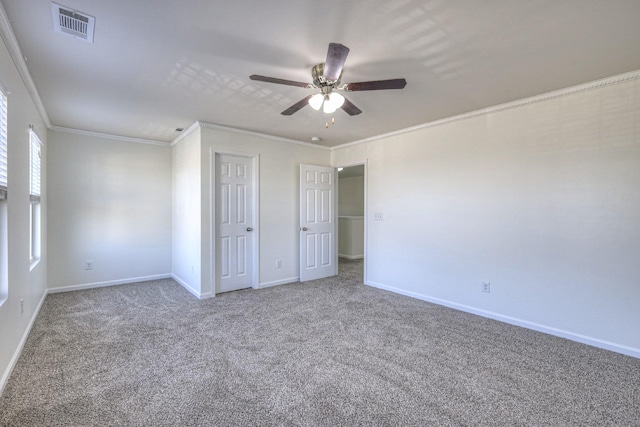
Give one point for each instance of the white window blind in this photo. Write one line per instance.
(3, 145)
(36, 155)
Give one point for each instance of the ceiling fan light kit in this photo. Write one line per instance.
(326, 77)
(329, 103)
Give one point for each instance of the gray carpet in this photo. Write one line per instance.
(332, 352)
(351, 269)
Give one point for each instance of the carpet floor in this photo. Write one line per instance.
(331, 352)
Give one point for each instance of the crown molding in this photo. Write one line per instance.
(6, 31)
(572, 90)
(259, 134)
(185, 133)
(108, 136)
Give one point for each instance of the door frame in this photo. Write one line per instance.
(213, 217)
(364, 163)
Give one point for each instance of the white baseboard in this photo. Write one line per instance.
(278, 282)
(583, 339)
(350, 256)
(107, 283)
(185, 285)
(191, 290)
(23, 340)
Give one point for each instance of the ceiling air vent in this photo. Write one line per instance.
(73, 23)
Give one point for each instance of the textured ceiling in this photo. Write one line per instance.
(157, 65)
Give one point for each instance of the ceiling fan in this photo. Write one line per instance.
(326, 77)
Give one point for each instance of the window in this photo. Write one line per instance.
(4, 262)
(3, 144)
(34, 195)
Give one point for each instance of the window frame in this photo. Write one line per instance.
(4, 190)
(35, 180)
(4, 123)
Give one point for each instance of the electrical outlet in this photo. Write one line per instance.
(21, 306)
(88, 265)
(486, 287)
(278, 263)
(377, 216)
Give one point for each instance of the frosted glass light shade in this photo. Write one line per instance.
(328, 106)
(316, 101)
(336, 99)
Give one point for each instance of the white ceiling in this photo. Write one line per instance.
(157, 65)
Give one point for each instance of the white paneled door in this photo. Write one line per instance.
(317, 223)
(234, 246)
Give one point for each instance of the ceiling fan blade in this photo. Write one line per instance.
(278, 81)
(351, 109)
(336, 56)
(297, 106)
(376, 85)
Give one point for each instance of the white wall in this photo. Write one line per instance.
(110, 203)
(186, 209)
(351, 237)
(351, 196)
(279, 198)
(542, 200)
(24, 283)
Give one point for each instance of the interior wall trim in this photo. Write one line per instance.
(191, 290)
(208, 125)
(596, 84)
(185, 133)
(572, 336)
(94, 285)
(16, 354)
(108, 136)
(273, 283)
(6, 31)
(259, 134)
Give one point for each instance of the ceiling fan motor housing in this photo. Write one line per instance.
(326, 86)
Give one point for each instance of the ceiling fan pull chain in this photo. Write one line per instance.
(333, 122)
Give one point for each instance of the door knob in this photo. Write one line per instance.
(304, 228)
(249, 229)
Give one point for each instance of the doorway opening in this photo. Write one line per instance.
(351, 222)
